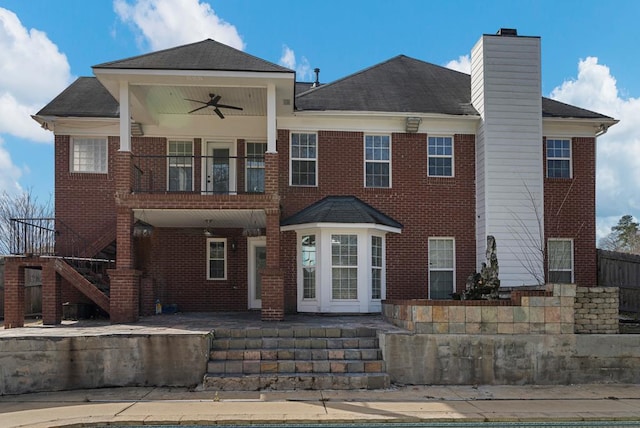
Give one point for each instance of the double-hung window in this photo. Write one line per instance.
(303, 159)
(376, 267)
(255, 167)
(560, 261)
(440, 156)
(180, 162)
(441, 268)
(217, 258)
(89, 155)
(344, 267)
(558, 158)
(377, 154)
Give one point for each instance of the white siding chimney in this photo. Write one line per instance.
(506, 91)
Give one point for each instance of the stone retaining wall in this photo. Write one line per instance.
(527, 312)
(596, 310)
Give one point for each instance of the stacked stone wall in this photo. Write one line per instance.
(596, 310)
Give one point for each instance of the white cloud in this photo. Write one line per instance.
(303, 68)
(166, 23)
(462, 64)
(10, 173)
(32, 72)
(618, 157)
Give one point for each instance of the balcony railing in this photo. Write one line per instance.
(207, 175)
(37, 236)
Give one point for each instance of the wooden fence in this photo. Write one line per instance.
(621, 270)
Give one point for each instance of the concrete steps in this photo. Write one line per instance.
(295, 358)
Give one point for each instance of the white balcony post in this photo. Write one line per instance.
(271, 118)
(125, 118)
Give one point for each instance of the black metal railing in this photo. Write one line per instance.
(212, 175)
(35, 236)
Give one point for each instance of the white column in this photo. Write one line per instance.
(125, 118)
(271, 118)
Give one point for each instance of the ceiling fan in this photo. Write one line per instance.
(213, 102)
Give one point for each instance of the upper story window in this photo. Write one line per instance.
(440, 156)
(180, 163)
(377, 155)
(304, 156)
(89, 155)
(558, 158)
(560, 261)
(255, 167)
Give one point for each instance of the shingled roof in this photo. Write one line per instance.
(86, 97)
(340, 209)
(401, 84)
(205, 55)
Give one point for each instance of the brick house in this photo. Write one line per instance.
(219, 183)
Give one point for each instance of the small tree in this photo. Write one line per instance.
(21, 206)
(624, 236)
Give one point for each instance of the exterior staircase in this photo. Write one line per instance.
(295, 358)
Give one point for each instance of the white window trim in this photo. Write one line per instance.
(72, 151)
(193, 168)
(439, 238)
(570, 159)
(291, 159)
(383, 269)
(226, 247)
(246, 161)
(549, 270)
(364, 155)
(453, 157)
(323, 301)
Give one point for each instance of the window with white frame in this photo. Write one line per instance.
(303, 159)
(344, 267)
(255, 167)
(89, 155)
(376, 267)
(180, 164)
(441, 268)
(377, 155)
(309, 266)
(440, 156)
(560, 261)
(217, 258)
(558, 158)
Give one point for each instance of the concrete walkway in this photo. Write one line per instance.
(83, 408)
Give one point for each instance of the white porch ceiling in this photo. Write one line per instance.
(173, 99)
(202, 218)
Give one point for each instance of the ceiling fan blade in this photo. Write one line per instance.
(219, 113)
(231, 107)
(214, 100)
(195, 101)
(199, 108)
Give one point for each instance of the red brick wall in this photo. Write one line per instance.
(569, 209)
(426, 206)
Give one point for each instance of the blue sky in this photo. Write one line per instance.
(589, 58)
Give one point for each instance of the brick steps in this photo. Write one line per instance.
(295, 358)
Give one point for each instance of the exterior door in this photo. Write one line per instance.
(220, 168)
(257, 248)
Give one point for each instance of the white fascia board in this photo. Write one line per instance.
(72, 125)
(394, 114)
(305, 226)
(141, 73)
(562, 127)
(440, 124)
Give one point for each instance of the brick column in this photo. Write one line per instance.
(272, 277)
(124, 295)
(13, 293)
(123, 172)
(51, 295)
(271, 173)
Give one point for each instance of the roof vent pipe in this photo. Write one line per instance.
(317, 82)
(507, 32)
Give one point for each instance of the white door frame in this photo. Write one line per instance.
(255, 302)
(209, 145)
